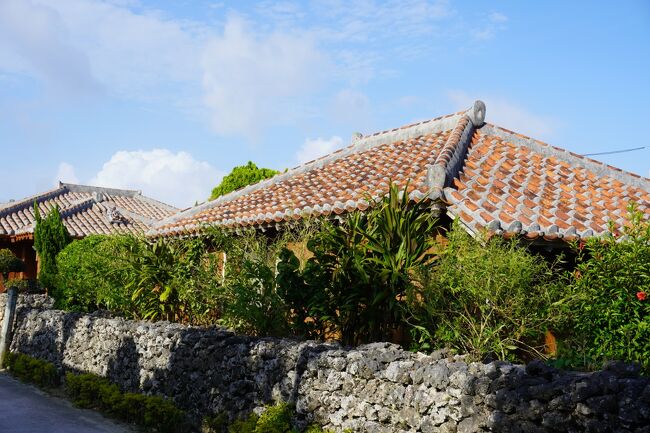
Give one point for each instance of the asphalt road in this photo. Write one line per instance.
(26, 409)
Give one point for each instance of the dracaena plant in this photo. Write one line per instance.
(360, 268)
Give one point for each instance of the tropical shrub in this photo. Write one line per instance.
(252, 305)
(610, 304)
(484, 297)
(50, 237)
(171, 279)
(88, 274)
(164, 279)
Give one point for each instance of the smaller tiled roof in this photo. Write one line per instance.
(85, 210)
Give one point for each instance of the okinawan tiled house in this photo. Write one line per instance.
(488, 177)
(85, 210)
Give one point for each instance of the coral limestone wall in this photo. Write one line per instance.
(373, 388)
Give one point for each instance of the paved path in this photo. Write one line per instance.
(26, 409)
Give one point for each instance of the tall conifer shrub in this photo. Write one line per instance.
(50, 237)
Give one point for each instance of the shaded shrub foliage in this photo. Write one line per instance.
(154, 413)
(484, 297)
(32, 370)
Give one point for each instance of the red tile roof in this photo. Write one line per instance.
(85, 210)
(488, 177)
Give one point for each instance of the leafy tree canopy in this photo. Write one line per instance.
(240, 177)
(9, 263)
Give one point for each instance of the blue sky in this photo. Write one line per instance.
(167, 96)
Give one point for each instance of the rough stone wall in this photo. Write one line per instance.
(373, 388)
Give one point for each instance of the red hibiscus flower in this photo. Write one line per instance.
(641, 296)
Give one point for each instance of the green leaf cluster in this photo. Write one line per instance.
(240, 177)
(88, 275)
(9, 263)
(171, 279)
(163, 279)
(50, 237)
(254, 293)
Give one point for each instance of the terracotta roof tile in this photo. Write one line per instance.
(493, 179)
(574, 193)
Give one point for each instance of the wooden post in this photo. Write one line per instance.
(7, 322)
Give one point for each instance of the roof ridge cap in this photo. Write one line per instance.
(591, 164)
(358, 144)
(73, 187)
(450, 159)
(28, 201)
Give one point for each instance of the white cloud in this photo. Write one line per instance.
(496, 21)
(315, 148)
(90, 44)
(509, 114)
(497, 17)
(252, 80)
(368, 20)
(174, 178)
(35, 40)
(65, 173)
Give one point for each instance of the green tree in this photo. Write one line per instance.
(240, 177)
(50, 237)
